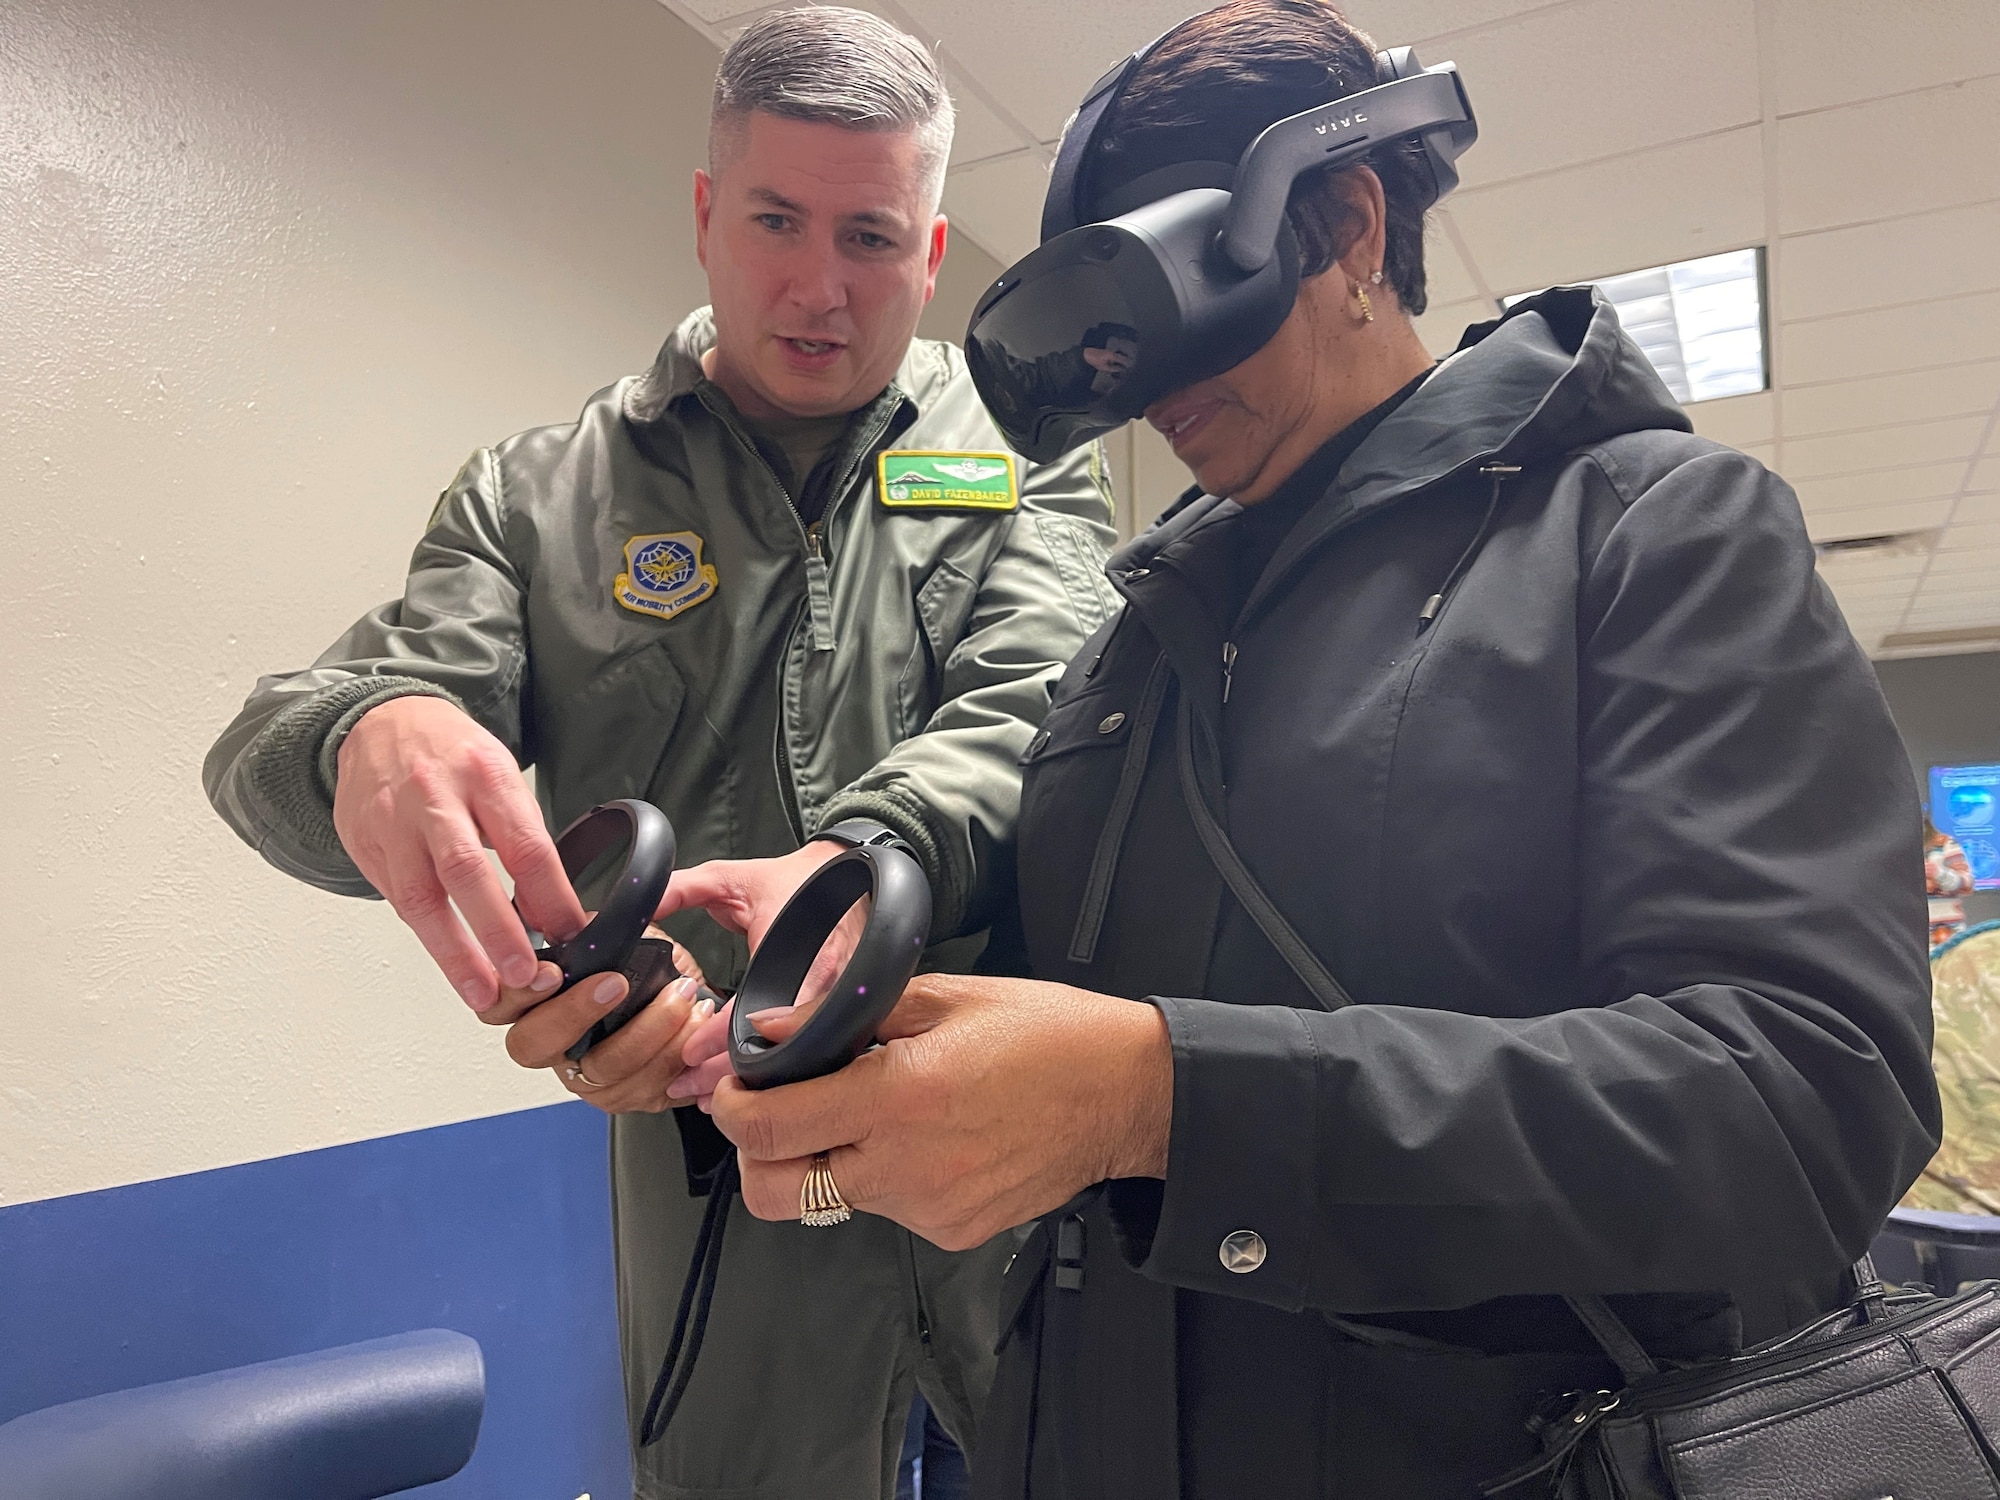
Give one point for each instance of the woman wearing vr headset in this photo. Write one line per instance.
(1308, 1211)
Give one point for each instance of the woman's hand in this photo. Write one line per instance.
(993, 1101)
(630, 1070)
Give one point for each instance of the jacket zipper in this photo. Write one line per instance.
(1228, 668)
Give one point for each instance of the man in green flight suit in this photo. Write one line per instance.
(787, 578)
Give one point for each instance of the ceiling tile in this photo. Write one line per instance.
(1682, 70)
(1975, 536)
(1821, 53)
(712, 11)
(1441, 327)
(1399, 23)
(1877, 520)
(1446, 275)
(1911, 397)
(1901, 447)
(1887, 340)
(1672, 203)
(1839, 571)
(1897, 156)
(1967, 560)
(1958, 587)
(1911, 259)
(1925, 611)
(1038, 56)
(979, 133)
(1851, 491)
(1737, 421)
(1864, 595)
(1976, 509)
(999, 205)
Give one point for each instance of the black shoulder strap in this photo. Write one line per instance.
(1242, 884)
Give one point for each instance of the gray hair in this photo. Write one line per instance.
(838, 66)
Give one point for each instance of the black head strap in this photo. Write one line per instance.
(1065, 206)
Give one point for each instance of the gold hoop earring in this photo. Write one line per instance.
(1367, 308)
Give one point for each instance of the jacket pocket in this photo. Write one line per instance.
(943, 606)
(607, 738)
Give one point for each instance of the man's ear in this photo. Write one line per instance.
(940, 232)
(704, 203)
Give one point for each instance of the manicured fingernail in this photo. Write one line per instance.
(608, 989)
(680, 1088)
(476, 995)
(516, 972)
(680, 991)
(547, 977)
(703, 1009)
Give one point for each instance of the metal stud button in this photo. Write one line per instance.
(1109, 722)
(1242, 1251)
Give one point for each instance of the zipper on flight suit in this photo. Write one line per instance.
(819, 594)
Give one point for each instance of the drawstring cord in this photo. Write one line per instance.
(697, 1297)
(1498, 473)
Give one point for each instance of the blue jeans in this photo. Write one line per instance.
(932, 1467)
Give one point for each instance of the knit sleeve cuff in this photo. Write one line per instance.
(290, 765)
(908, 819)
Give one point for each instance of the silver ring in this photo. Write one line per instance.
(575, 1074)
(820, 1203)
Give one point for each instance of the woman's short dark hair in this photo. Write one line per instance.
(1212, 87)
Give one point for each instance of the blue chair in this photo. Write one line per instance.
(352, 1423)
(1942, 1250)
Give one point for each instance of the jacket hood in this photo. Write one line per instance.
(1554, 373)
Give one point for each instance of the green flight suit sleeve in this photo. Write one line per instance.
(456, 633)
(954, 790)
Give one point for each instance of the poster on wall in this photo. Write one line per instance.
(1965, 803)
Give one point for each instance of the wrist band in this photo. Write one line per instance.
(843, 1024)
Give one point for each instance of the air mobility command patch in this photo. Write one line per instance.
(914, 480)
(664, 574)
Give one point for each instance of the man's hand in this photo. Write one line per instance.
(746, 895)
(994, 1101)
(630, 1069)
(422, 793)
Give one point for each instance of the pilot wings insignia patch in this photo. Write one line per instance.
(911, 480)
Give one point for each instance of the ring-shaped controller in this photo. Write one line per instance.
(885, 957)
(629, 905)
(614, 940)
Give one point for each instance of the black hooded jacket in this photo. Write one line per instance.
(1619, 856)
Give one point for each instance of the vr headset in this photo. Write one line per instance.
(1192, 268)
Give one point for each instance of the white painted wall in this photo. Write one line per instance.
(268, 272)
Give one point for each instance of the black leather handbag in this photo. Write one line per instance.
(1894, 1397)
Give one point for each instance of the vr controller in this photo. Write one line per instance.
(840, 1027)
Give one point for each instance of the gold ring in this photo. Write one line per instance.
(820, 1203)
(575, 1074)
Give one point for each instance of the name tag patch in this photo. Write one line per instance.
(907, 479)
(664, 574)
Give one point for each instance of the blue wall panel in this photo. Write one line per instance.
(498, 1228)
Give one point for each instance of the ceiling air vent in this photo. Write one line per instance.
(1882, 544)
